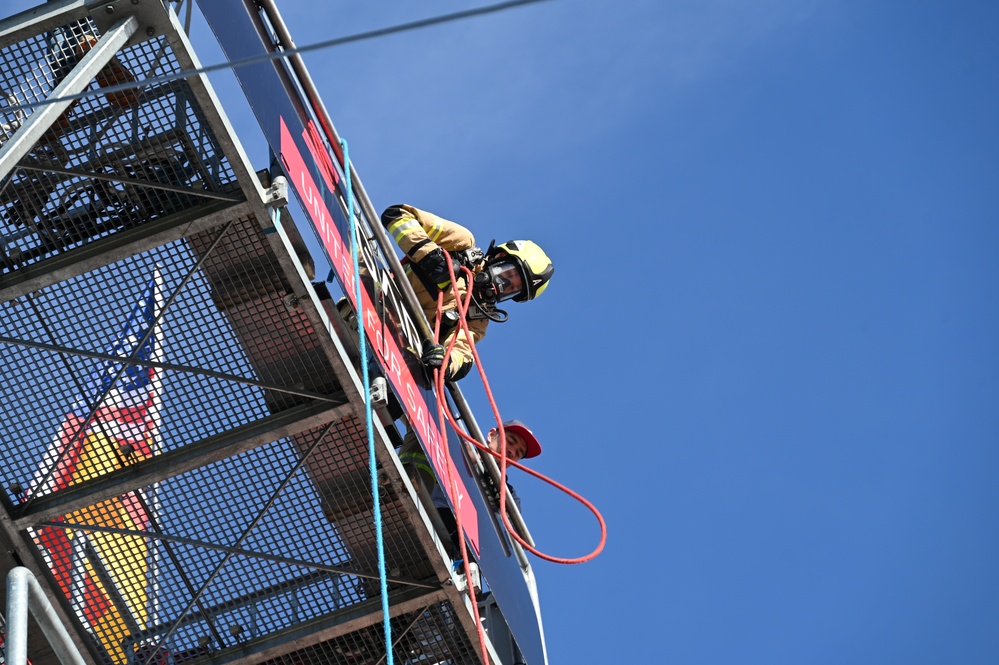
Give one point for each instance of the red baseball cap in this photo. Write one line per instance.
(517, 427)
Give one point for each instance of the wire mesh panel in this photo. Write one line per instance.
(75, 383)
(189, 589)
(196, 572)
(111, 161)
(248, 286)
(237, 549)
(341, 475)
(430, 636)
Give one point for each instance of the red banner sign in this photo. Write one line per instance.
(385, 347)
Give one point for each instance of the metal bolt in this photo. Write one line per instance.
(109, 9)
(150, 31)
(15, 487)
(235, 630)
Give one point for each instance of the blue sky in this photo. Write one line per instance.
(768, 353)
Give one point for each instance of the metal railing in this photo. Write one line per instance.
(24, 594)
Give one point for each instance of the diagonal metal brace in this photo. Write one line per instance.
(76, 81)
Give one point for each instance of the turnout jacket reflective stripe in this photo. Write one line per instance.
(418, 232)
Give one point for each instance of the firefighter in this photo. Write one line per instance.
(517, 270)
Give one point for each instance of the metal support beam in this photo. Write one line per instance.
(24, 593)
(168, 538)
(175, 462)
(118, 246)
(97, 175)
(232, 605)
(336, 400)
(356, 617)
(76, 81)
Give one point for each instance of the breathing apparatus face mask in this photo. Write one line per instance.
(499, 281)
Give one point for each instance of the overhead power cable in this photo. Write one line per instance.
(278, 55)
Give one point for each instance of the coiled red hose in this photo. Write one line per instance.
(462, 307)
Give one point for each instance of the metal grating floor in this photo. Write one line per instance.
(110, 162)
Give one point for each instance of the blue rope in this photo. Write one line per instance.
(362, 343)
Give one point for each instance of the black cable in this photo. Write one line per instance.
(277, 55)
(491, 312)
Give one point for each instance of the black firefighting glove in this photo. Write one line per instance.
(433, 354)
(433, 357)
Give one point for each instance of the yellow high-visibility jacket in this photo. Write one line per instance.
(418, 233)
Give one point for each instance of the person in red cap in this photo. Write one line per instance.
(520, 441)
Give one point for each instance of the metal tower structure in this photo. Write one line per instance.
(185, 454)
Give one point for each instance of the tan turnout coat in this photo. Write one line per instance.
(416, 226)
